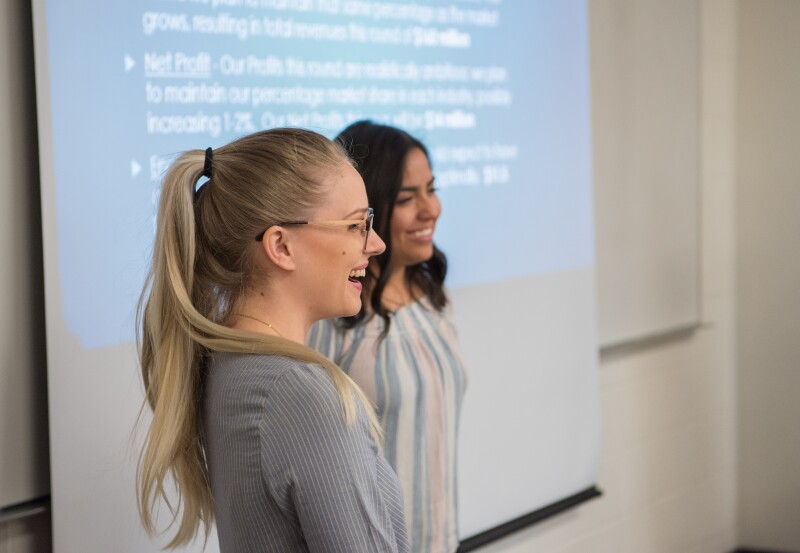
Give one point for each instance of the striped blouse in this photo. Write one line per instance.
(287, 473)
(416, 378)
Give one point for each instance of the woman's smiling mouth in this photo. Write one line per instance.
(423, 235)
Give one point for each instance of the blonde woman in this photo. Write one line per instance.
(257, 432)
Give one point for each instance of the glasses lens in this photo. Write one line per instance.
(368, 226)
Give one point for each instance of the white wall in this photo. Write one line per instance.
(668, 468)
(768, 220)
(23, 401)
(646, 116)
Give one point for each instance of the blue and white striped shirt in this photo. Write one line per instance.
(416, 378)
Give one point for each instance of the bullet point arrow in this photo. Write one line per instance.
(135, 168)
(129, 63)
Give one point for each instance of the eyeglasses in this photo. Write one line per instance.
(364, 225)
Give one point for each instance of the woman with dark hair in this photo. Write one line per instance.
(401, 347)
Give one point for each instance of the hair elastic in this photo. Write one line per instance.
(207, 163)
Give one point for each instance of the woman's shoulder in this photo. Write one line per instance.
(277, 387)
(276, 367)
(230, 365)
(304, 403)
(307, 380)
(265, 374)
(420, 313)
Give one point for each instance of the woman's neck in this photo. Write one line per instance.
(398, 292)
(269, 314)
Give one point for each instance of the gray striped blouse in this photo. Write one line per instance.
(287, 473)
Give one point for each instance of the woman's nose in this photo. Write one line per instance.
(428, 207)
(375, 244)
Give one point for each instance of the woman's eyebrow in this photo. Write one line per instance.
(358, 211)
(413, 188)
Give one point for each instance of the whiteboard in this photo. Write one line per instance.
(645, 116)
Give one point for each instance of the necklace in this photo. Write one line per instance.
(272, 328)
(397, 299)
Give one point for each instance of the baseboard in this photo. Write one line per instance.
(749, 550)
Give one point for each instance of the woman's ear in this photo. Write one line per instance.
(279, 248)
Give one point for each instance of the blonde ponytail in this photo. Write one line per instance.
(199, 268)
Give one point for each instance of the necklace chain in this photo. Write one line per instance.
(275, 330)
(408, 297)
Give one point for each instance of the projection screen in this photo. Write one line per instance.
(499, 91)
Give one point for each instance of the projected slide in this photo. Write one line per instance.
(498, 90)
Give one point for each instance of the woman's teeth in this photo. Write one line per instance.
(422, 233)
(358, 273)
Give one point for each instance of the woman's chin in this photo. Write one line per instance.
(413, 256)
(423, 257)
(354, 308)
